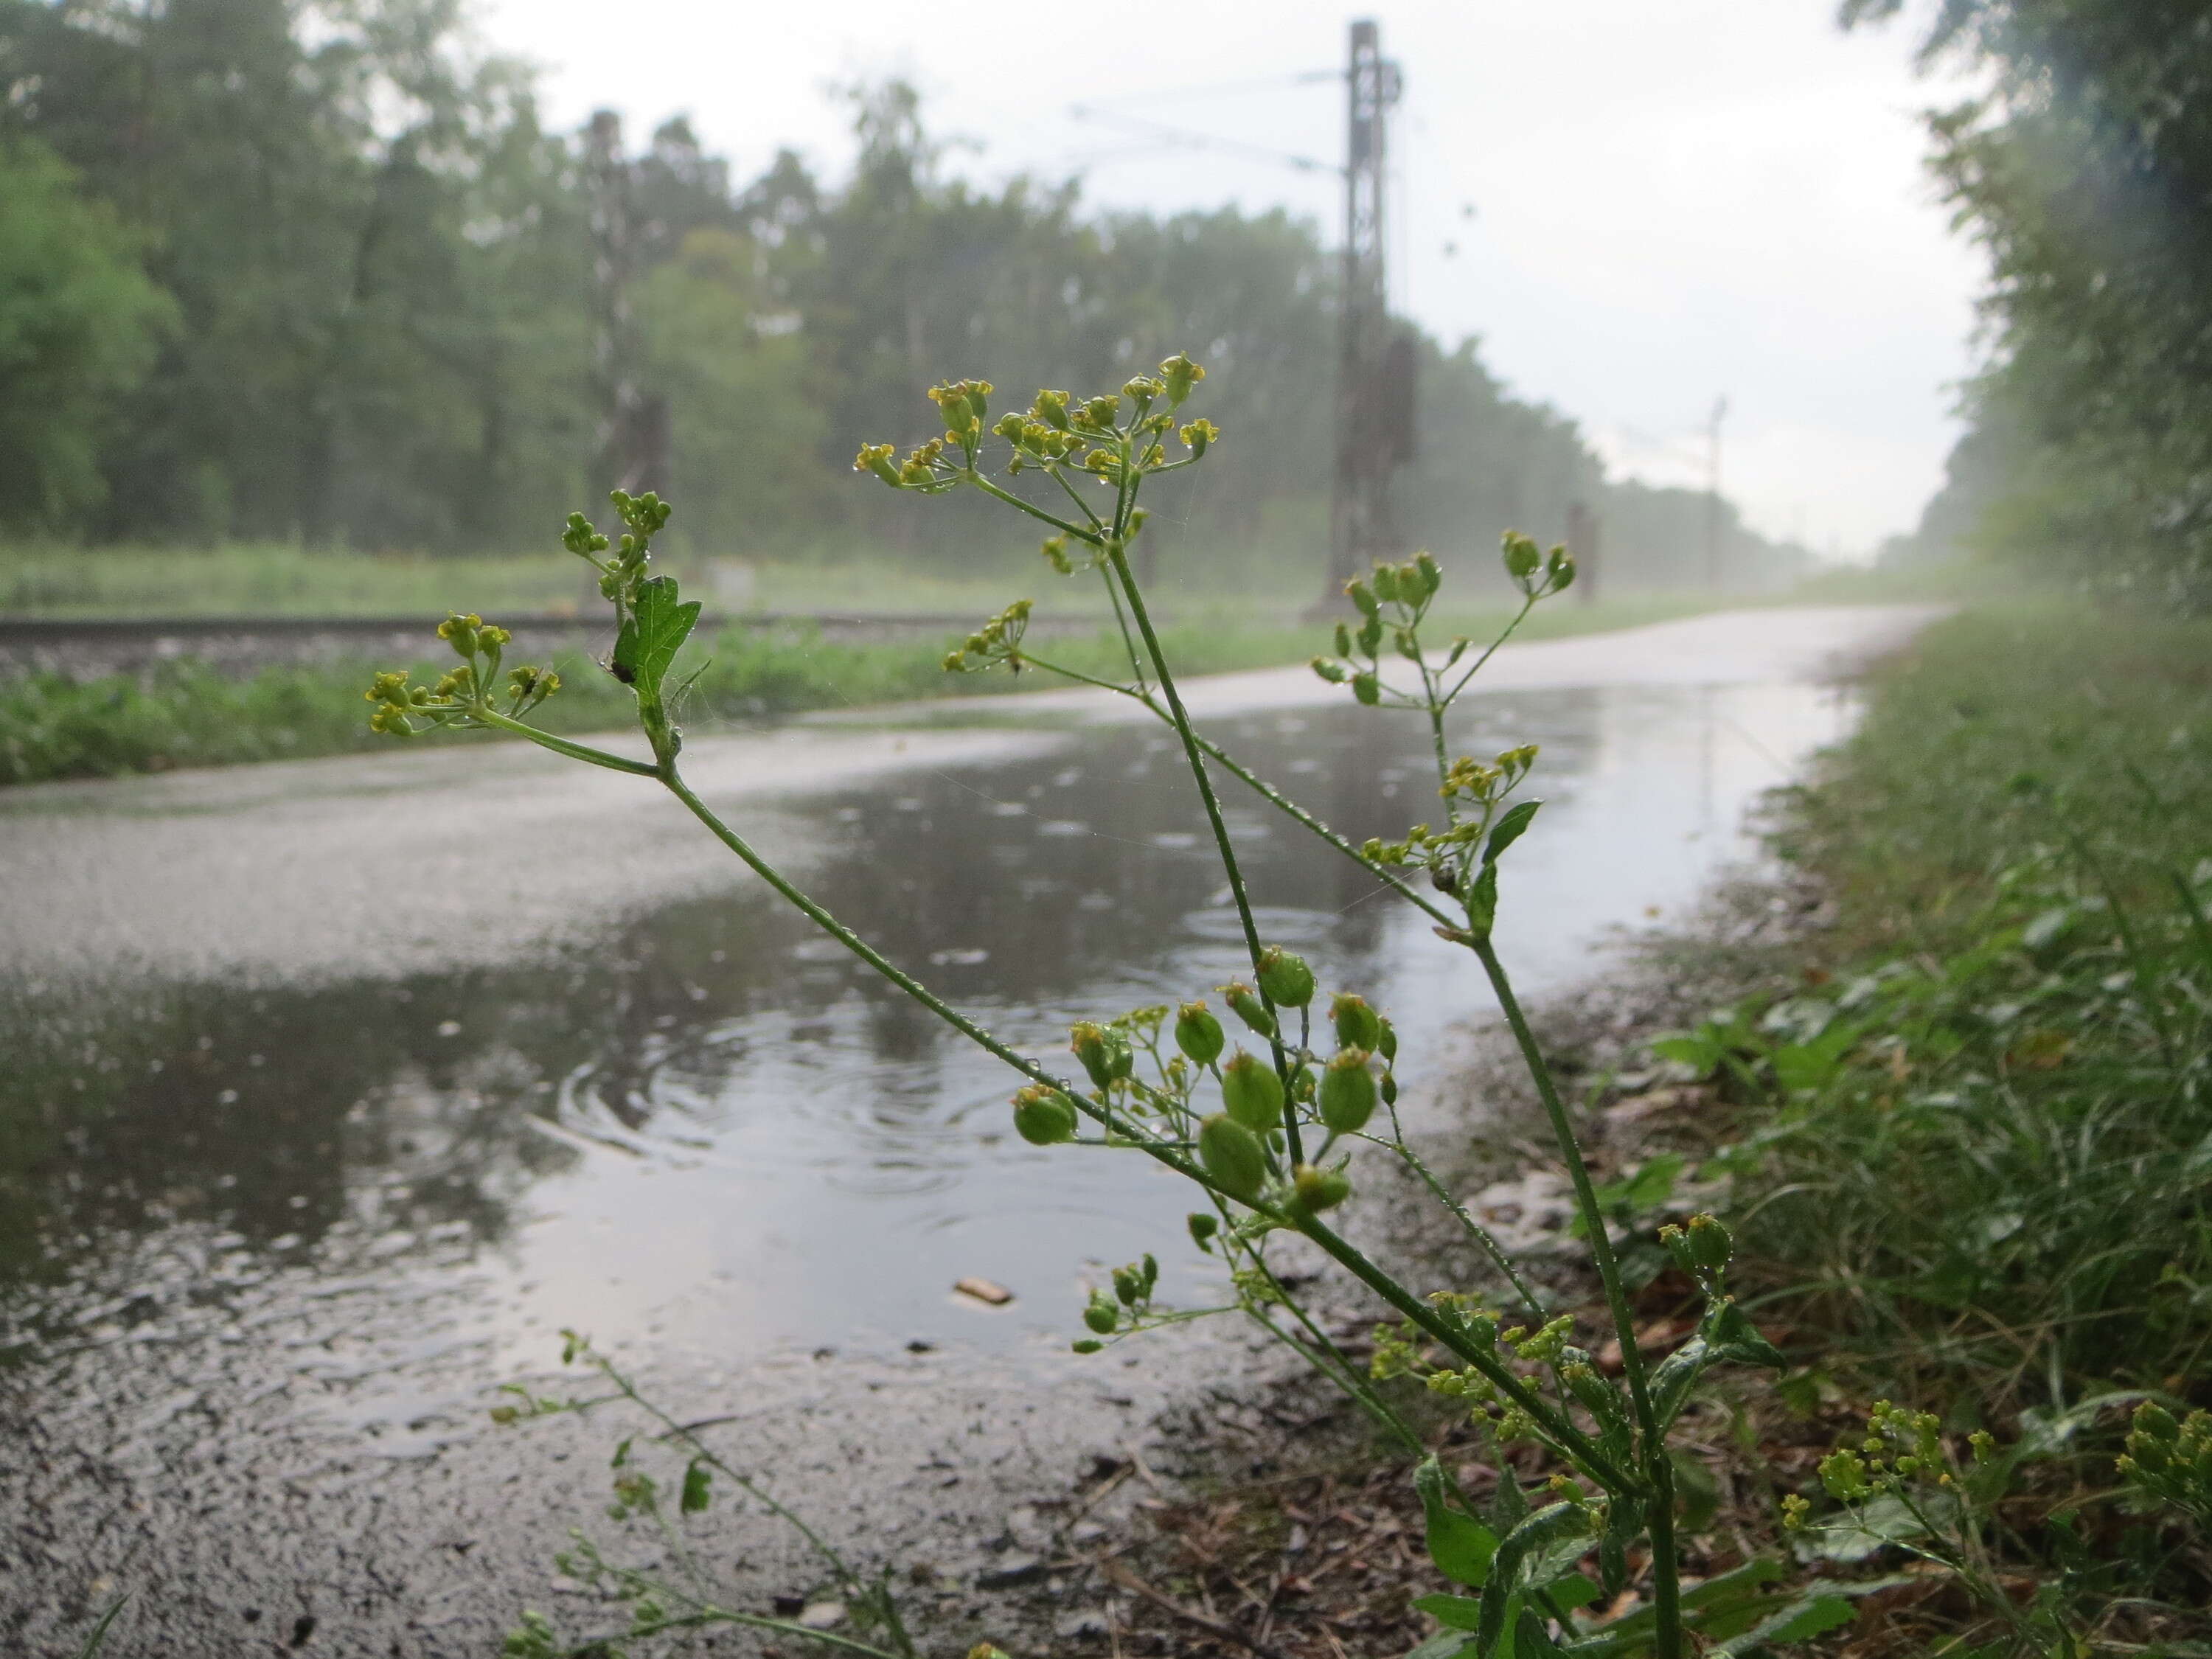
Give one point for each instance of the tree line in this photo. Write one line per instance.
(2083, 167)
(318, 270)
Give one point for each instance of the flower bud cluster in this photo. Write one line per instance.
(643, 517)
(1476, 788)
(1702, 1250)
(401, 709)
(998, 640)
(1898, 1446)
(1392, 601)
(2170, 1461)
(1126, 1311)
(1092, 435)
(1537, 574)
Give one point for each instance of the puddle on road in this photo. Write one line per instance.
(712, 1133)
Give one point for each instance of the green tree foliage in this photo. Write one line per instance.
(2085, 172)
(79, 326)
(406, 311)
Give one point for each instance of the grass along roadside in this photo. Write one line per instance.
(1965, 1137)
(53, 726)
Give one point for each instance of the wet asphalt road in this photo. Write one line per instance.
(339, 1083)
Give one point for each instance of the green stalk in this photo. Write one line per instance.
(1117, 555)
(582, 751)
(1570, 1440)
(1658, 1472)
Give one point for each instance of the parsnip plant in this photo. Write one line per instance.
(1269, 1128)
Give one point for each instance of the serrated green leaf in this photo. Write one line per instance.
(652, 631)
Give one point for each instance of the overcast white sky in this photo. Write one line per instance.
(1673, 201)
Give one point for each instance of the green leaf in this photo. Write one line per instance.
(1714, 1599)
(1702, 1054)
(1448, 1643)
(1806, 1617)
(1453, 1612)
(1574, 1591)
(1676, 1374)
(1862, 1531)
(652, 631)
(696, 1479)
(1735, 1340)
(1460, 1545)
(1697, 1493)
(1482, 900)
(1509, 829)
(1529, 1543)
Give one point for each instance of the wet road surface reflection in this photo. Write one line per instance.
(713, 1131)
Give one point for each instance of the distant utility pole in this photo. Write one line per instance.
(1713, 521)
(1585, 530)
(1374, 365)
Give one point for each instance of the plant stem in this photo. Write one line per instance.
(582, 751)
(1179, 718)
(1570, 1440)
(1482, 1234)
(1658, 1472)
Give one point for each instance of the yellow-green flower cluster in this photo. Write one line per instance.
(1093, 434)
(2171, 1460)
(998, 640)
(465, 691)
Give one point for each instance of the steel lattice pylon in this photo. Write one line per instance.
(1375, 362)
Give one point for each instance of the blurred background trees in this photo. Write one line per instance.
(2085, 169)
(313, 270)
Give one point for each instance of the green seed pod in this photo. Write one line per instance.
(1321, 1189)
(1302, 1083)
(1709, 1243)
(1244, 1002)
(1560, 569)
(1128, 1289)
(1347, 1092)
(1433, 575)
(1203, 1227)
(1232, 1156)
(1385, 582)
(1520, 555)
(1086, 1345)
(1286, 978)
(1361, 595)
(1343, 641)
(1677, 1245)
(1387, 1046)
(1043, 1117)
(1198, 1034)
(1367, 688)
(1390, 1089)
(1335, 673)
(1102, 1315)
(1104, 1055)
(1251, 1092)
